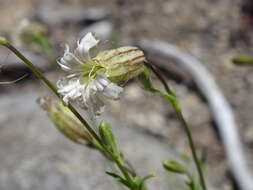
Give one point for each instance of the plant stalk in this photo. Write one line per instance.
(173, 100)
(38, 73)
(52, 87)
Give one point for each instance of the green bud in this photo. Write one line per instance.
(65, 121)
(243, 60)
(108, 138)
(3, 41)
(121, 64)
(174, 166)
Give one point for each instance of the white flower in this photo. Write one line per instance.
(87, 84)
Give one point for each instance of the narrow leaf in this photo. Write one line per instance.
(119, 179)
(145, 179)
(243, 60)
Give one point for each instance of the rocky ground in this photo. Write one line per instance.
(35, 156)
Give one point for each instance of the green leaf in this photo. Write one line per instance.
(243, 60)
(119, 179)
(144, 78)
(141, 186)
(151, 175)
(137, 181)
(174, 166)
(192, 184)
(108, 138)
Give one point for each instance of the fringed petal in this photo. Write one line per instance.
(84, 45)
(69, 61)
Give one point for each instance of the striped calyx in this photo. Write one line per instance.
(121, 64)
(93, 79)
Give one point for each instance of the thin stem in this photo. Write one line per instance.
(163, 81)
(14, 81)
(130, 168)
(51, 86)
(176, 106)
(123, 171)
(121, 167)
(33, 68)
(193, 149)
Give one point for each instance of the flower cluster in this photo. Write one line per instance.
(92, 80)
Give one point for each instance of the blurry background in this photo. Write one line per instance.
(34, 155)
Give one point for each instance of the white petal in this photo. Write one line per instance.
(64, 82)
(97, 105)
(66, 99)
(90, 94)
(67, 88)
(93, 86)
(86, 94)
(99, 86)
(68, 61)
(103, 81)
(115, 88)
(71, 89)
(76, 74)
(113, 91)
(85, 44)
(111, 95)
(63, 67)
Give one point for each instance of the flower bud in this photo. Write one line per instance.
(3, 41)
(108, 138)
(121, 64)
(65, 121)
(174, 166)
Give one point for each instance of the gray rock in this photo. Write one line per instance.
(10, 60)
(102, 29)
(53, 16)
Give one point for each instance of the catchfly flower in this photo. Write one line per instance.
(93, 79)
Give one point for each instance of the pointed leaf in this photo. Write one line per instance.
(119, 178)
(243, 60)
(192, 184)
(145, 179)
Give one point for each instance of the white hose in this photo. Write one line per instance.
(220, 108)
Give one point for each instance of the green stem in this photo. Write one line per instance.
(163, 81)
(124, 171)
(51, 86)
(193, 149)
(122, 168)
(171, 97)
